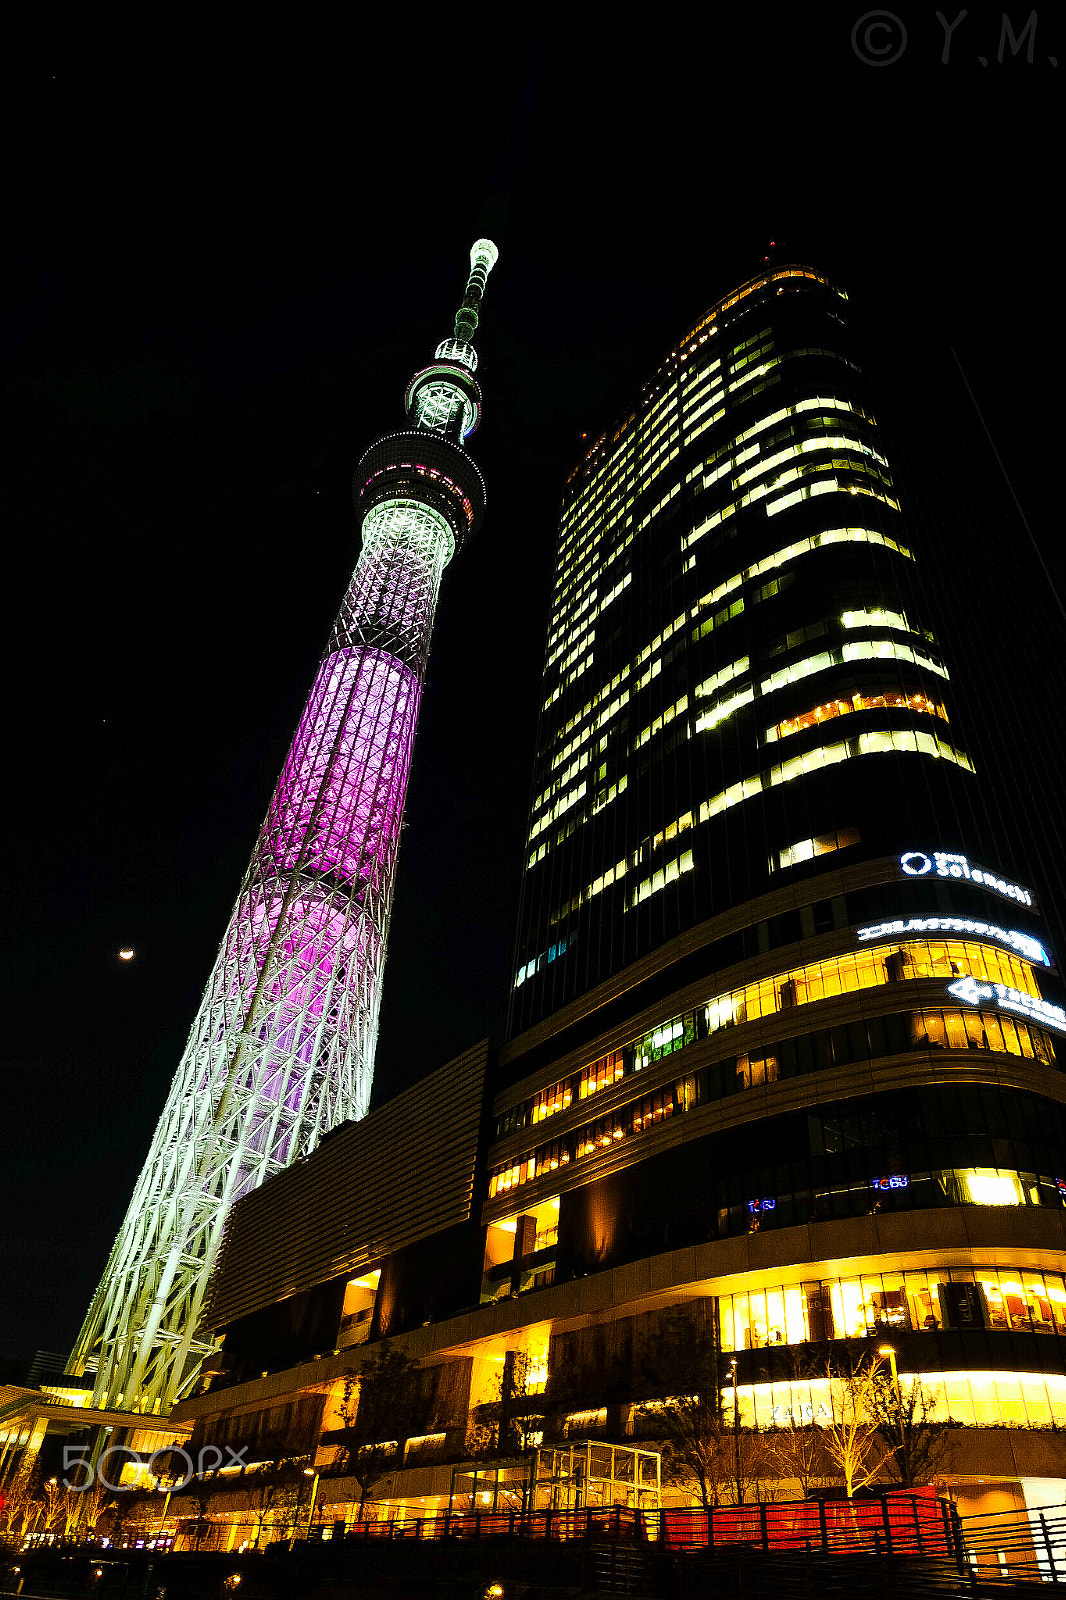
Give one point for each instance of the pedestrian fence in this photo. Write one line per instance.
(1022, 1544)
(911, 1523)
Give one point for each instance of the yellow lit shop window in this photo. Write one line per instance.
(985, 1186)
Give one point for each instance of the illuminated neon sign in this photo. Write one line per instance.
(1001, 994)
(941, 864)
(1022, 943)
(895, 1180)
(768, 1204)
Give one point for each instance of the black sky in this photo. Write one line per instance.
(225, 258)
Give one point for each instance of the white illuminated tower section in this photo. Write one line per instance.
(282, 1048)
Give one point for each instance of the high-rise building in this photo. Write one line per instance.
(740, 677)
(781, 1057)
(282, 1048)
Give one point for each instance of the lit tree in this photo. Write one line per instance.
(200, 1492)
(89, 1504)
(852, 1434)
(20, 1504)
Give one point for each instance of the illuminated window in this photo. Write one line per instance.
(985, 1186)
(546, 957)
(753, 1070)
(652, 1109)
(660, 722)
(862, 650)
(562, 804)
(821, 844)
(723, 709)
(828, 755)
(821, 442)
(550, 1101)
(842, 706)
(600, 1074)
(792, 552)
(668, 873)
(876, 619)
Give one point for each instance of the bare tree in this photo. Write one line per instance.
(513, 1421)
(199, 1492)
(852, 1435)
(274, 1493)
(124, 1512)
(919, 1443)
(797, 1450)
(90, 1503)
(703, 1449)
(376, 1409)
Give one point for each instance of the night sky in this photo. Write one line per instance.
(225, 257)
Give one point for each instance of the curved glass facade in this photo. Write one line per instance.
(739, 659)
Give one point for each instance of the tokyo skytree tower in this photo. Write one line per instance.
(282, 1048)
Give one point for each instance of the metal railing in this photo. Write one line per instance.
(1021, 1544)
(895, 1523)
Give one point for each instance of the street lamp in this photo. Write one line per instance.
(309, 1472)
(736, 1427)
(166, 1508)
(889, 1350)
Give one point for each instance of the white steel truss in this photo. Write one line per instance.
(282, 1048)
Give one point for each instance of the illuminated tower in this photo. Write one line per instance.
(282, 1048)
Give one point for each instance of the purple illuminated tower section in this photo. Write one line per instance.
(282, 1048)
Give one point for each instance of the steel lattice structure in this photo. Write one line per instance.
(282, 1048)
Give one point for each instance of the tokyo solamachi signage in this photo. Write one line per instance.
(943, 864)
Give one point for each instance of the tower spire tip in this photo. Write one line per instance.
(483, 257)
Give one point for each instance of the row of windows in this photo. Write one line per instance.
(880, 1305)
(924, 1189)
(955, 1030)
(602, 464)
(842, 706)
(805, 445)
(969, 1399)
(872, 742)
(731, 456)
(777, 559)
(592, 501)
(860, 650)
(721, 710)
(820, 980)
(661, 390)
(879, 742)
(820, 844)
